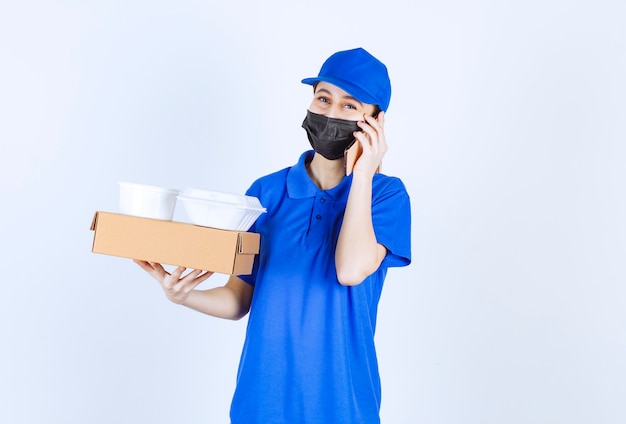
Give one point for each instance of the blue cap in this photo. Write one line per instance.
(358, 73)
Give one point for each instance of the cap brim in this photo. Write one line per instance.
(310, 81)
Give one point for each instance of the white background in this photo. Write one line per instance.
(507, 124)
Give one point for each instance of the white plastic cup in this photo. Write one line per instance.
(147, 201)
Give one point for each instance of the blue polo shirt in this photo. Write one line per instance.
(309, 354)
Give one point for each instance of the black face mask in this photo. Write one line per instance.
(328, 136)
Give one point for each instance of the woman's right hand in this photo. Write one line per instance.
(176, 286)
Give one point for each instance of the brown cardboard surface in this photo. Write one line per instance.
(174, 243)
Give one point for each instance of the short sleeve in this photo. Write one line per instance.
(391, 217)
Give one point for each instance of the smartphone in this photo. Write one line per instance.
(351, 155)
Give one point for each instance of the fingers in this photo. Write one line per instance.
(372, 134)
(179, 291)
(374, 129)
(176, 282)
(190, 281)
(377, 123)
(170, 280)
(176, 286)
(372, 139)
(175, 278)
(154, 269)
(143, 264)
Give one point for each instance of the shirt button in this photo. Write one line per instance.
(318, 217)
(323, 199)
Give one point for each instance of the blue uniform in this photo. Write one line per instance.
(309, 353)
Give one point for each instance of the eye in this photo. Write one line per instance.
(323, 99)
(350, 106)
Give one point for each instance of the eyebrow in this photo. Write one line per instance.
(349, 97)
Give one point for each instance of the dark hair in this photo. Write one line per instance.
(376, 111)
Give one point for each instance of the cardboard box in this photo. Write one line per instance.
(174, 243)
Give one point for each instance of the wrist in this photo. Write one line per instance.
(362, 175)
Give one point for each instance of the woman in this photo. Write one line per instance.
(327, 241)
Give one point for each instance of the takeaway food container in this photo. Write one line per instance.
(147, 201)
(221, 210)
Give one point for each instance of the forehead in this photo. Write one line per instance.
(331, 88)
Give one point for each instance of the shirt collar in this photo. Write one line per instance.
(300, 185)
